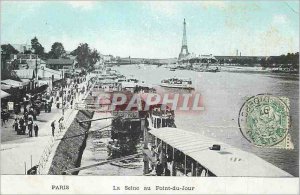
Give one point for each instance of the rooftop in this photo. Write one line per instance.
(25, 73)
(60, 61)
(229, 161)
(12, 82)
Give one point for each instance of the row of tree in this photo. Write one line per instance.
(85, 56)
(290, 60)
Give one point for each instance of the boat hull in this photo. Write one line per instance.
(176, 86)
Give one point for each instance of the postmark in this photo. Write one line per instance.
(264, 120)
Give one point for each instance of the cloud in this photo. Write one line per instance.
(22, 6)
(166, 8)
(82, 5)
(280, 19)
(213, 4)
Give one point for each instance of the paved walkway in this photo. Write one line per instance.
(20, 151)
(69, 121)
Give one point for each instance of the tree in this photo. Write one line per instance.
(85, 57)
(57, 50)
(37, 47)
(82, 53)
(94, 58)
(8, 67)
(8, 49)
(27, 51)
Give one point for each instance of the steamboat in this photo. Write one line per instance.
(177, 83)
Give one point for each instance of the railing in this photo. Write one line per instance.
(49, 147)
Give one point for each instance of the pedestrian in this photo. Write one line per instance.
(30, 111)
(34, 114)
(36, 130)
(23, 130)
(16, 125)
(49, 106)
(37, 111)
(53, 127)
(25, 108)
(61, 125)
(46, 107)
(3, 117)
(30, 123)
(21, 121)
(159, 168)
(26, 117)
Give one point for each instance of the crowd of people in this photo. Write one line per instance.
(27, 111)
(166, 163)
(162, 163)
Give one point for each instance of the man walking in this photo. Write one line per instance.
(53, 127)
(61, 120)
(30, 123)
(36, 130)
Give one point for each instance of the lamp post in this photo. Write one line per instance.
(3, 59)
(63, 77)
(36, 70)
(62, 88)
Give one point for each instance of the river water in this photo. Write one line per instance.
(223, 95)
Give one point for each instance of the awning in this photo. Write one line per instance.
(13, 83)
(25, 73)
(4, 94)
(4, 86)
(25, 81)
(229, 161)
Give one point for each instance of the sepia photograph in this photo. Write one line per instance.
(154, 89)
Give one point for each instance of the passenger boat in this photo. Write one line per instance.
(131, 82)
(213, 70)
(161, 118)
(192, 154)
(177, 83)
(206, 69)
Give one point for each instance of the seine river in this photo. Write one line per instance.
(223, 95)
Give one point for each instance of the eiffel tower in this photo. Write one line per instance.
(184, 49)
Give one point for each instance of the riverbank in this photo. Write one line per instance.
(20, 152)
(96, 151)
(69, 151)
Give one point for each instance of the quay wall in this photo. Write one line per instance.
(70, 149)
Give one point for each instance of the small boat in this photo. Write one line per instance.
(177, 83)
(213, 70)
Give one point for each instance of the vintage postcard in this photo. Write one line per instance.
(149, 97)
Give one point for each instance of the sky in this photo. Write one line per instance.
(153, 29)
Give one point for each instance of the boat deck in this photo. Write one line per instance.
(228, 161)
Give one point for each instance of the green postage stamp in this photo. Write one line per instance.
(264, 120)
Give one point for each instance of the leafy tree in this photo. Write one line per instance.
(27, 51)
(290, 60)
(8, 67)
(57, 50)
(94, 57)
(37, 47)
(8, 49)
(85, 57)
(82, 53)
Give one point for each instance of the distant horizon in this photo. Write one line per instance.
(173, 57)
(154, 29)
